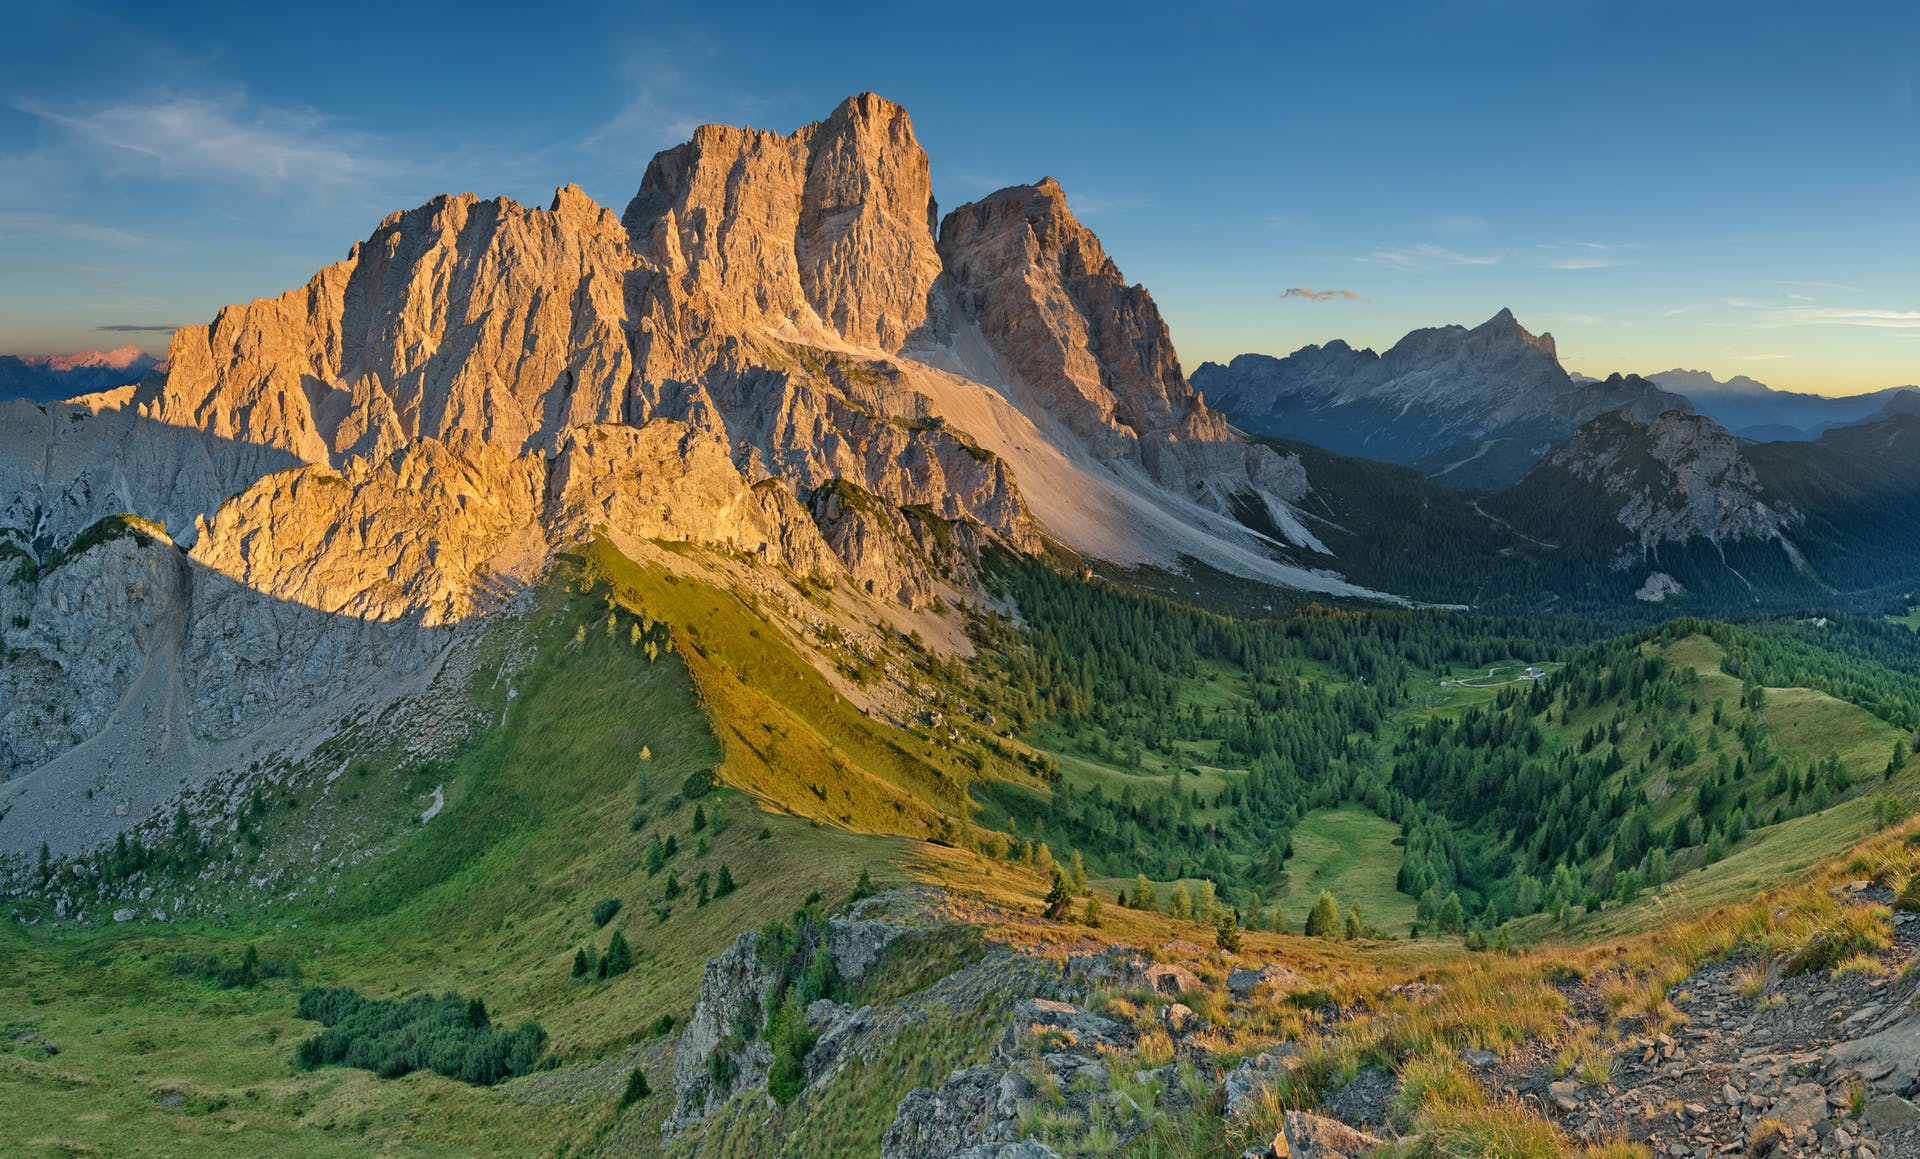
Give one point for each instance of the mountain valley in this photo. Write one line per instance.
(779, 670)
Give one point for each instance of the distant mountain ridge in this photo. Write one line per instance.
(1470, 407)
(1678, 506)
(1753, 410)
(49, 377)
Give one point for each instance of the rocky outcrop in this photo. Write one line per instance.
(1677, 478)
(738, 992)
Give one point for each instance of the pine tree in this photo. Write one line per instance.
(1227, 934)
(580, 963)
(619, 957)
(1324, 921)
(724, 884)
(1452, 914)
(1059, 898)
(1077, 871)
(1093, 912)
(1182, 904)
(1354, 929)
(699, 818)
(637, 1088)
(1143, 894)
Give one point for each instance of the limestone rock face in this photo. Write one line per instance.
(829, 227)
(356, 541)
(669, 480)
(462, 315)
(66, 465)
(1093, 350)
(1677, 478)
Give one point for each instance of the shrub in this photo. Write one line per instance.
(603, 913)
(448, 1035)
(663, 1025)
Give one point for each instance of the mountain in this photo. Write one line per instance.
(1754, 410)
(46, 378)
(771, 353)
(1472, 408)
(1655, 509)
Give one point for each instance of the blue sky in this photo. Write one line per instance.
(1727, 186)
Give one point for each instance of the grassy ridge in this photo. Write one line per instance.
(491, 897)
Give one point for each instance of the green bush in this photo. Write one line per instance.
(448, 1035)
(603, 913)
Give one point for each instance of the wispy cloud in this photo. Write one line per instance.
(1094, 203)
(30, 224)
(1591, 255)
(1317, 295)
(1425, 257)
(1830, 316)
(225, 138)
(137, 328)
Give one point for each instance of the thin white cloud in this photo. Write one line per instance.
(1425, 257)
(1094, 203)
(1830, 316)
(35, 225)
(1592, 262)
(1317, 295)
(1592, 255)
(228, 138)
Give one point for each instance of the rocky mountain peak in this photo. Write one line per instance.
(829, 229)
(1504, 327)
(1045, 294)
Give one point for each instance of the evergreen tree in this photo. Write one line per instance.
(1077, 871)
(724, 884)
(1059, 898)
(1452, 915)
(619, 957)
(1324, 921)
(637, 1088)
(1227, 934)
(1143, 893)
(1182, 904)
(699, 818)
(580, 966)
(1093, 911)
(1354, 929)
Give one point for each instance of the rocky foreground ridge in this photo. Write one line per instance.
(1081, 1054)
(777, 350)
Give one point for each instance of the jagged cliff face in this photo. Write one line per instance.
(1677, 478)
(1671, 505)
(828, 230)
(1473, 407)
(768, 352)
